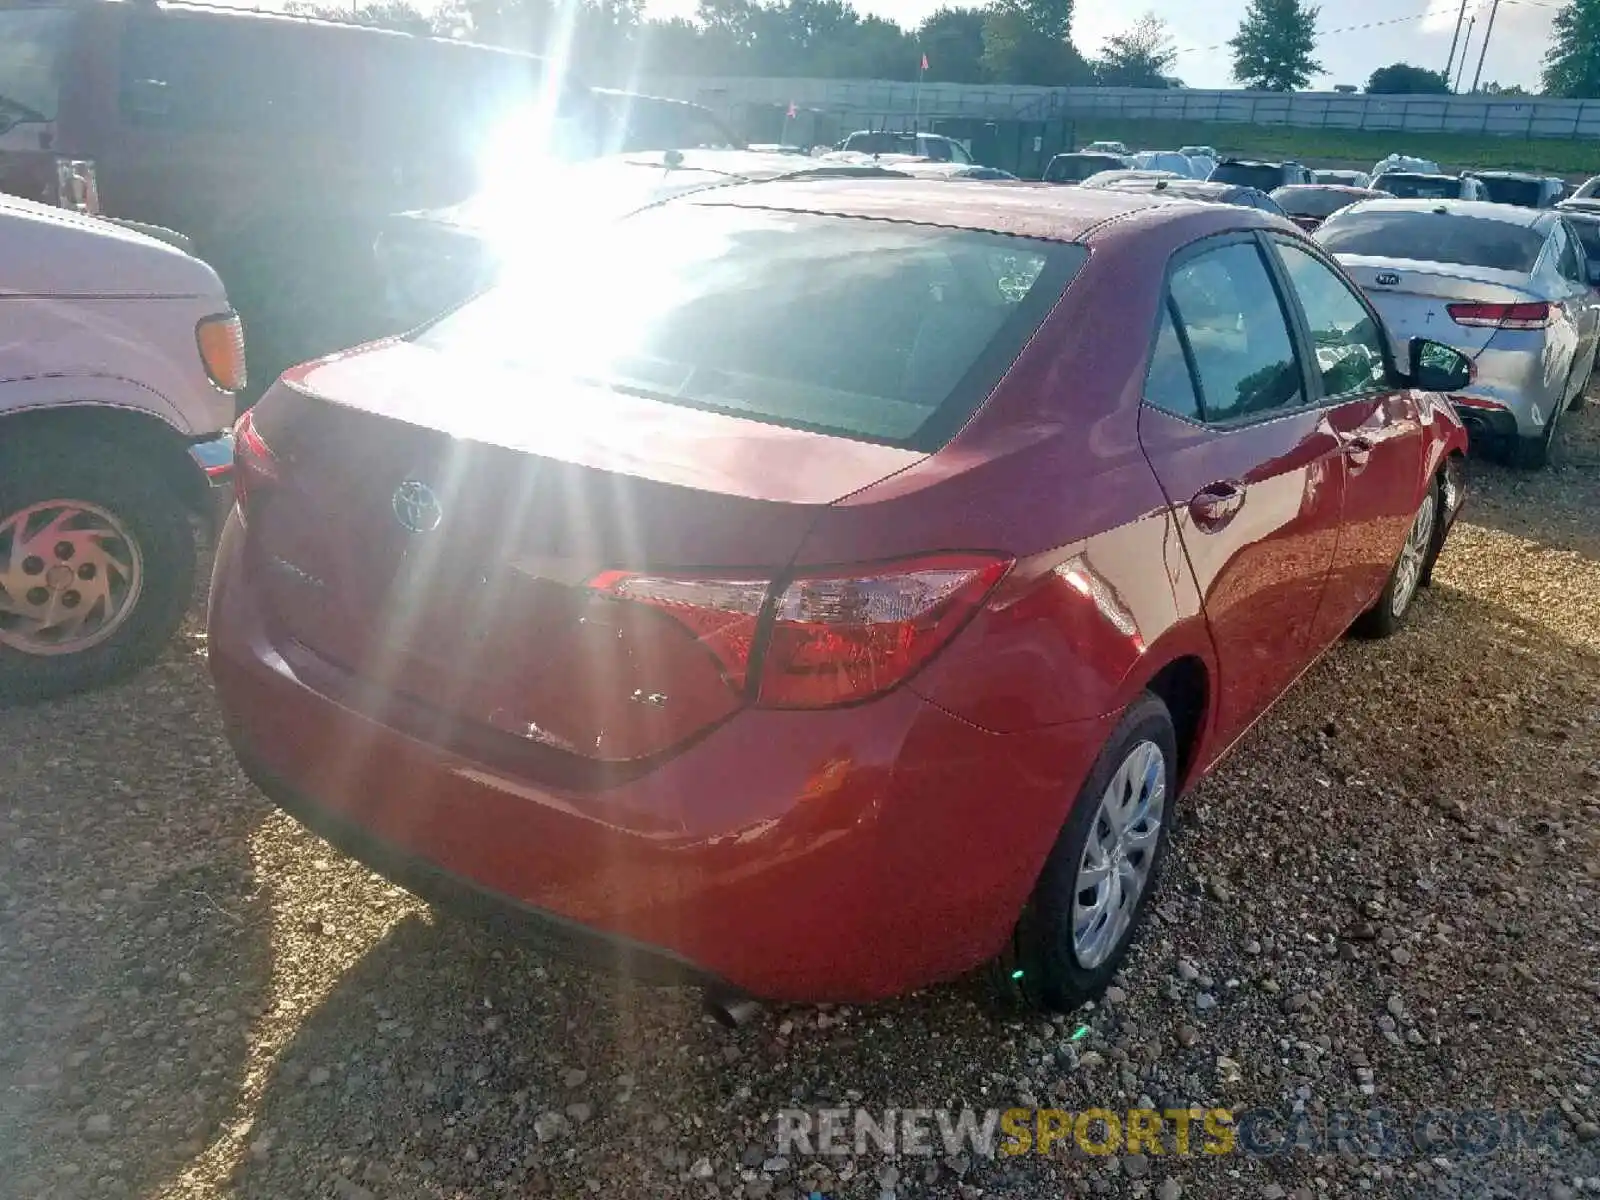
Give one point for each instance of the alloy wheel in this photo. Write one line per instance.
(1114, 869)
(70, 575)
(1413, 556)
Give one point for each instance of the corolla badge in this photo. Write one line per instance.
(1387, 278)
(416, 507)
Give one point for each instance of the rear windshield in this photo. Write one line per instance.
(1259, 176)
(874, 330)
(1075, 168)
(1419, 187)
(1434, 237)
(1310, 202)
(1528, 193)
(31, 40)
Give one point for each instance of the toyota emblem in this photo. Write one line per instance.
(416, 507)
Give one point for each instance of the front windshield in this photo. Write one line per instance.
(882, 331)
(1255, 175)
(1419, 187)
(1075, 168)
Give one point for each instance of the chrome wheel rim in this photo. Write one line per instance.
(1408, 571)
(70, 574)
(1114, 869)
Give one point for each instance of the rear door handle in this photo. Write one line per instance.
(1357, 450)
(1216, 504)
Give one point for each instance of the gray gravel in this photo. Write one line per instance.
(1386, 897)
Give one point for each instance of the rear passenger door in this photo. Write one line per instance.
(1378, 425)
(1249, 464)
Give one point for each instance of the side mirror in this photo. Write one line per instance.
(1438, 368)
(1594, 272)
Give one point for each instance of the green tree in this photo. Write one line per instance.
(380, 14)
(1029, 41)
(1492, 88)
(1139, 57)
(952, 38)
(1272, 50)
(1402, 79)
(1572, 64)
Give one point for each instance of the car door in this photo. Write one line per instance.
(1581, 301)
(1251, 467)
(1378, 423)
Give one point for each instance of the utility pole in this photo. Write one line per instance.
(1487, 34)
(1465, 46)
(1461, 16)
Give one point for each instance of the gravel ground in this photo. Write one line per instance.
(1386, 897)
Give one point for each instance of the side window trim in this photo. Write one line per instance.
(1302, 323)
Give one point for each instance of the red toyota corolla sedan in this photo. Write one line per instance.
(817, 589)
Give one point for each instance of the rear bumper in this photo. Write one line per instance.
(845, 855)
(498, 913)
(1519, 384)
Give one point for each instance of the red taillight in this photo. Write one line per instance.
(254, 464)
(824, 639)
(1536, 314)
(720, 614)
(847, 636)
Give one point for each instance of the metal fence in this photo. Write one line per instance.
(1510, 116)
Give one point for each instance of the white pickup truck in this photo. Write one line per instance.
(119, 360)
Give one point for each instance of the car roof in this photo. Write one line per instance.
(1023, 209)
(1483, 210)
(1253, 162)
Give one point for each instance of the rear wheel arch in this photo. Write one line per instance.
(1184, 686)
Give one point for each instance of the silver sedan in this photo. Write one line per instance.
(1509, 287)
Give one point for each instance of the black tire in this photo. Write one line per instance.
(1381, 620)
(1533, 453)
(1041, 968)
(153, 518)
(1582, 398)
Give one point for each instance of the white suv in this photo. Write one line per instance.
(119, 362)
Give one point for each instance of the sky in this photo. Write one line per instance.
(1420, 33)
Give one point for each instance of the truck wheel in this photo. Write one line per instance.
(97, 567)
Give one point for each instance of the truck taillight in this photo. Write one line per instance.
(76, 187)
(824, 638)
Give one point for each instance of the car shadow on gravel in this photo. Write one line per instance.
(1383, 887)
(134, 947)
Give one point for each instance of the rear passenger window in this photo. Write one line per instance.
(1229, 311)
(1169, 386)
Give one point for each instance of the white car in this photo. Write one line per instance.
(1107, 148)
(1167, 160)
(118, 373)
(1404, 163)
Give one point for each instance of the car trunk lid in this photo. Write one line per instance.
(439, 534)
(1415, 297)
